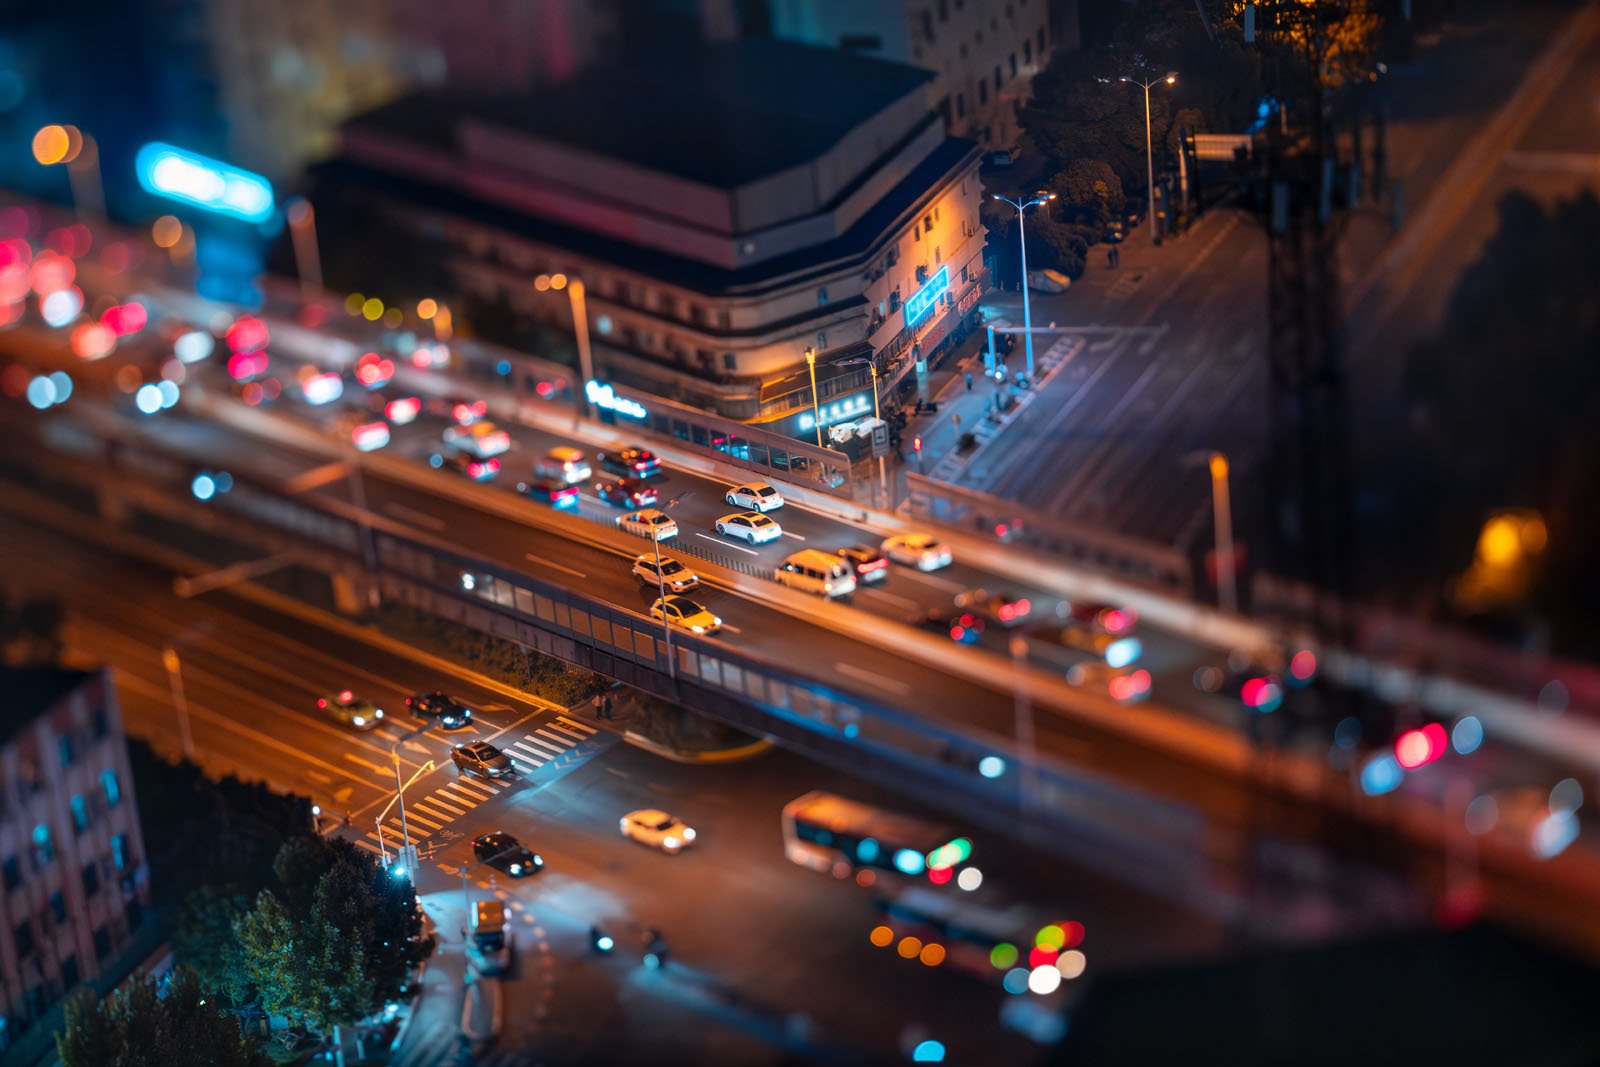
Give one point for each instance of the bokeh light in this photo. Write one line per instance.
(881, 936)
(53, 144)
(1003, 956)
(1051, 936)
(1467, 735)
(372, 309)
(969, 879)
(909, 947)
(1566, 796)
(1482, 814)
(148, 399)
(61, 306)
(1044, 980)
(1016, 981)
(426, 308)
(41, 392)
(166, 231)
(1072, 963)
(931, 955)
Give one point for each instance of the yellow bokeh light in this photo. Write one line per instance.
(353, 302)
(52, 145)
(427, 308)
(1219, 466)
(932, 955)
(166, 231)
(542, 282)
(1500, 544)
(393, 317)
(882, 936)
(558, 281)
(909, 947)
(372, 309)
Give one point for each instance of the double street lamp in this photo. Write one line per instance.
(1022, 240)
(1170, 77)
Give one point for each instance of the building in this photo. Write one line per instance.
(724, 223)
(73, 876)
(983, 53)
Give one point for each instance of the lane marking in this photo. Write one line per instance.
(564, 742)
(575, 735)
(412, 514)
(453, 805)
(796, 536)
(577, 725)
(361, 762)
(531, 558)
(370, 848)
(724, 542)
(444, 817)
(412, 816)
(861, 674)
(471, 789)
(534, 745)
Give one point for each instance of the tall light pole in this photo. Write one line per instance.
(1022, 239)
(1222, 518)
(816, 410)
(80, 154)
(174, 667)
(576, 296)
(308, 260)
(1169, 77)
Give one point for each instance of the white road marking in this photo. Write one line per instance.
(796, 536)
(564, 743)
(531, 558)
(725, 544)
(891, 684)
(575, 735)
(576, 725)
(413, 515)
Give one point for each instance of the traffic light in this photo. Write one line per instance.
(916, 443)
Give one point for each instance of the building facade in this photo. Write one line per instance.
(983, 54)
(73, 877)
(724, 224)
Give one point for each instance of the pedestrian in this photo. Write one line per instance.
(969, 381)
(605, 706)
(347, 820)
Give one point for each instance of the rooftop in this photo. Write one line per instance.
(724, 113)
(30, 692)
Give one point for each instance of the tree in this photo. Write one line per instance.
(202, 937)
(303, 967)
(142, 1025)
(1089, 189)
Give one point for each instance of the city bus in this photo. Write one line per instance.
(833, 834)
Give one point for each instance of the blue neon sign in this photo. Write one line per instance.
(602, 395)
(190, 178)
(923, 300)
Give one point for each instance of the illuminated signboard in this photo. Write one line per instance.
(923, 300)
(602, 395)
(190, 178)
(837, 411)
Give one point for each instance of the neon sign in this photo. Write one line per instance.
(837, 411)
(601, 395)
(190, 178)
(923, 300)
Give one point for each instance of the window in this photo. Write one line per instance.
(1041, 41)
(91, 879)
(1013, 64)
(119, 852)
(822, 297)
(1027, 51)
(112, 787)
(938, 256)
(80, 814)
(98, 719)
(12, 872)
(927, 25)
(723, 320)
(998, 81)
(58, 906)
(69, 971)
(24, 938)
(102, 943)
(927, 222)
(961, 106)
(822, 340)
(983, 96)
(44, 849)
(64, 746)
(916, 231)
(944, 10)
(964, 277)
(729, 361)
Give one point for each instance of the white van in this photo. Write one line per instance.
(565, 464)
(812, 571)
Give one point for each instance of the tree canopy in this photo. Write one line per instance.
(144, 1025)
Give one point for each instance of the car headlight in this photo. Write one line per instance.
(669, 842)
(380, 713)
(538, 860)
(516, 868)
(359, 720)
(698, 629)
(688, 834)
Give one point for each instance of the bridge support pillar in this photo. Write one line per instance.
(354, 595)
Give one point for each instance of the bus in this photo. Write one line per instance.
(836, 835)
(990, 941)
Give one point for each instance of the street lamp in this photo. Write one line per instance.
(79, 153)
(1022, 239)
(1222, 518)
(302, 220)
(816, 410)
(1169, 77)
(174, 668)
(580, 331)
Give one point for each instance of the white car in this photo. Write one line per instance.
(757, 496)
(481, 439)
(673, 575)
(649, 522)
(658, 830)
(752, 527)
(685, 614)
(919, 550)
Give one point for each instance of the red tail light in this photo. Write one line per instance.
(1007, 612)
(346, 696)
(874, 565)
(640, 465)
(1116, 621)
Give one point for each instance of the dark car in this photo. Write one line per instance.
(867, 562)
(1003, 608)
(483, 759)
(505, 853)
(637, 462)
(962, 627)
(449, 712)
(626, 492)
(479, 470)
(550, 491)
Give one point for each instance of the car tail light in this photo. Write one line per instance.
(371, 435)
(347, 696)
(873, 565)
(322, 702)
(640, 465)
(403, 410)
(1117, 621)
(1008, 612)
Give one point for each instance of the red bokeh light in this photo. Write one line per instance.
(247, 334)
(1417, 748)
(940, 875)
(124, 319)
(1303, 664)
(1043, 956)
(1073, 934)
(14, 380)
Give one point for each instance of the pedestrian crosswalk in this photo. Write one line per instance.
(556, 742)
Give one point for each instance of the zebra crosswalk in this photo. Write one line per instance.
(558, 741)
